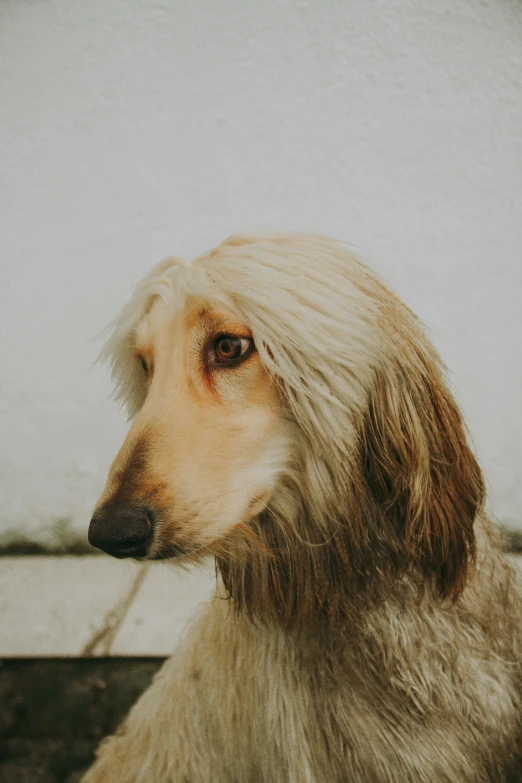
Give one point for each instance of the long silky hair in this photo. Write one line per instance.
(382, 489)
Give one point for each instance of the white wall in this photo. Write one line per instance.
(133, 130)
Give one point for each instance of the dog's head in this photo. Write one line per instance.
(290, 417)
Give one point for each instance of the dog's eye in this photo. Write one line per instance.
(229, 348)
(144, 365)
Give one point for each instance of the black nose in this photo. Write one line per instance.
(121, 532)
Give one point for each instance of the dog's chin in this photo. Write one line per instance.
(169, 551)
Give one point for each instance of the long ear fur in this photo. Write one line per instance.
(421, 471)
(386, 486)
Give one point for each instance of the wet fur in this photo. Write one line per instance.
(366, 626)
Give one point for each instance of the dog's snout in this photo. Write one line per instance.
(123, 532)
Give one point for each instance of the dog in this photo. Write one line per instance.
(291, 419)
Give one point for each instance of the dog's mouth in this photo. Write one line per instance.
(153, 553)
(137, 552)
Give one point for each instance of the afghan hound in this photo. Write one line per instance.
(291, 419)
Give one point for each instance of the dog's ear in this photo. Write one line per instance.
(421, 471)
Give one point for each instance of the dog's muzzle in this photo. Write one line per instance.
(123, 532)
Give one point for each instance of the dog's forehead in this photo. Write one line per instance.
(195, 315)
(211, 315)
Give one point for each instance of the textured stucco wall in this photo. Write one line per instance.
(133, 130)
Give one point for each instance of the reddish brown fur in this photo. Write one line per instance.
(423, 475)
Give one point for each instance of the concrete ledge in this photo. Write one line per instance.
(164, 605)
(85, 606)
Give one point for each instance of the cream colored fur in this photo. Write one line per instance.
(366, 626)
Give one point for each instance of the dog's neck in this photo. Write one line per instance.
(273, 577)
